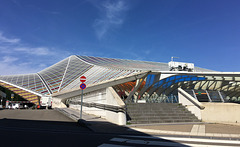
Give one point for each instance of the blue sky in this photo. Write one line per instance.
(36, 34)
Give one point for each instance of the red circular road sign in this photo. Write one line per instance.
(82, 78)
(83, 86)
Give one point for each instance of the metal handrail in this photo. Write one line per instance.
(101, 106)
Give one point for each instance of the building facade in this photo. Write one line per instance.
(131, 80)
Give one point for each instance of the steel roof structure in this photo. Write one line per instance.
(64, 75)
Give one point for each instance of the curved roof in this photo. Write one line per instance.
(131, 64)
(65, 74)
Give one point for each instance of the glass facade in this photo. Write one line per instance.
(203, 88)
(28, 81)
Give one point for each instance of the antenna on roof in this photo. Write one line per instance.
(173, 57)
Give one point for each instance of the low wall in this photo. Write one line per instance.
(190, 103)
(104, 96)
(57, 103)
(221, 112)
(210, 112)
(99, 97)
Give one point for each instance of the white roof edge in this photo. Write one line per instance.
(77, 56)
(53, 64)
(103, 82)
(21, 88)
(199, 73)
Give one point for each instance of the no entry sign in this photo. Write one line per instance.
(82, 78)
(83, 86)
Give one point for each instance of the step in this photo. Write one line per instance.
(154, 106)
(159, 109)
(163, 121)
(166, 114)
(158, 112)
(149, 106)
(162, 118)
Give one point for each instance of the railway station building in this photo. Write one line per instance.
(123, 91)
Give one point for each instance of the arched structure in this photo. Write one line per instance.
(63, 77)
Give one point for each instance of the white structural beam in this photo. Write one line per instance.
(225, 74)
(64, 95)
(69, 60)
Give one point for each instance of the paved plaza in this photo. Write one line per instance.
(211, 130)
(61, 127)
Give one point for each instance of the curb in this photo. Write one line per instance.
(215, 135)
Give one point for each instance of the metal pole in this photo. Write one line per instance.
(81, 105)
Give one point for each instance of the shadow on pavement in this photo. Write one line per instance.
(19, 132)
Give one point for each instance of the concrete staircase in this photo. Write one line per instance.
(145, 113)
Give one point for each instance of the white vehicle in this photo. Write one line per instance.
(15, 106)
(46, 101)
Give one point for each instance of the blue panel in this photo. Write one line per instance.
(181, 80)
(178, 77)
(150, 80)
(167, 79)
(164, 86)
(187, 79)
(158, 84)
(201, 78)
(194, 78)
(169, 84)
(172, 78)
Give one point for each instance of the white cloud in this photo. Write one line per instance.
(12, 65)
(147, 52)
(42, 65)
(10, 46)
(4, 39)
(34, 51)
(9, 59)
(17, 57)
(112, 16)
(11, 69)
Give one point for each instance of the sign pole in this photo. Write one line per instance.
(82, 86)
(81, 104)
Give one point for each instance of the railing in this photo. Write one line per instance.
(191, 99)
(101, 106)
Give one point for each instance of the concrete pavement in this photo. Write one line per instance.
(209, 130)
(29, 114)
(55, 129)
(200, 130)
